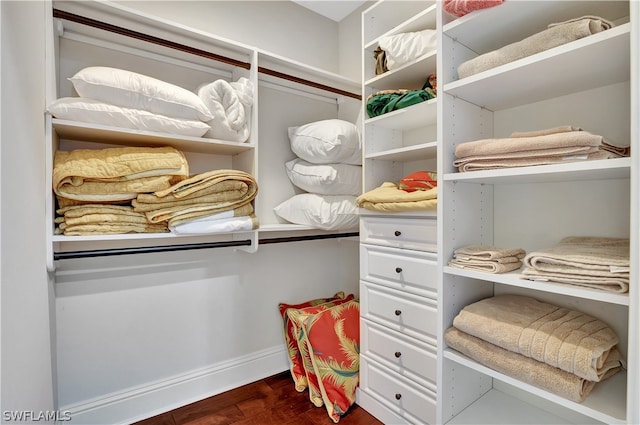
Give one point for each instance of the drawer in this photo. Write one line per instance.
(409, 314)
(406, 356)
(415, 403)
(401, 269)
(407, 233)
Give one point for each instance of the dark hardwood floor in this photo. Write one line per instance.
(271, 401)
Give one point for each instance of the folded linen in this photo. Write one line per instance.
(560, 337)
(502, 265)
(200, 195)
(555, 35)
(99, 218)
(115, 228)
(596, 262)
(127, 170)
(510, 147)
(495, 164)
(390, 198)
(460, 8)
(487, 252)
(233, 224)
(526, 369)
(244, 210)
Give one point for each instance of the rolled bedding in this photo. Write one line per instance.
(230, 104)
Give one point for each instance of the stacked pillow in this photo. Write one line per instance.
(120, 98)
(328, 168)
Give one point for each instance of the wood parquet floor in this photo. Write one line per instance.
(270, 401)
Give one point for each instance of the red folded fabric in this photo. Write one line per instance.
(462, 7)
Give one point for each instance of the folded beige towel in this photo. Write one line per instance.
(476, 164)
(555, 35)
(488, 252)
(526, 369)
(529, 146)
(503, 265)
(114, 174)
(546, 131)
(390, 198)
(562, 338)
(597, 262)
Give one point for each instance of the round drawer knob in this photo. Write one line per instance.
(398, 269)
(398, 396)
(397, 233)
(397, 354)
(398, 312)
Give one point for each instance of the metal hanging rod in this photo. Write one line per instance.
(184, 247)
(188, 49)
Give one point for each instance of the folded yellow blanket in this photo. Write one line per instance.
(135, 169)
(203, 194)
(562, 338)
(109, 229)
(389, 198)
(526, 369)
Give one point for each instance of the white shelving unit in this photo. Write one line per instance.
(108, 34)
(534, 207)
(398, 269)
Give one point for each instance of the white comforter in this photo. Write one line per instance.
(230, 104)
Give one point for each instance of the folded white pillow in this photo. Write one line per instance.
(326, 212)
(330, 141)
(96, 112)
(401, 49)
(132, 90)
(325, 179)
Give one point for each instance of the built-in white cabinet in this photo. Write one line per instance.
(84, 34)
(587, 83)
(398, 251)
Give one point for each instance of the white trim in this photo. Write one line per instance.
(141, 402)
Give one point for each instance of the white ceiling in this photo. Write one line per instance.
(332, 9)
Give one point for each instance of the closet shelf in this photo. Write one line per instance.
(606, 403)
(419, 115)
(616, 168)
(513, 279)
(407, 153)
(514, 21)
(498, 408)
(526, 80)
(96, 133)
(411, 76)
(420, 21)
(385, 17)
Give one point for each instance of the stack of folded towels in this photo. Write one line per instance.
(147, 190)
(593, 262)
(562, 351)
(489, 259)
(550, 146)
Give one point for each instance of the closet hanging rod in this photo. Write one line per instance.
(57, 13)
(184, 247)
(309, 83)
(148, 38)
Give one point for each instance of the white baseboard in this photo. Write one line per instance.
(134, 404)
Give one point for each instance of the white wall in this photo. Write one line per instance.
(268, 25)
(26, 356)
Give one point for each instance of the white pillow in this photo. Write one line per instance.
(132, 90)
(401, 49)
(325, 179)
(326, 212)
(96, 112)
(327, 142)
